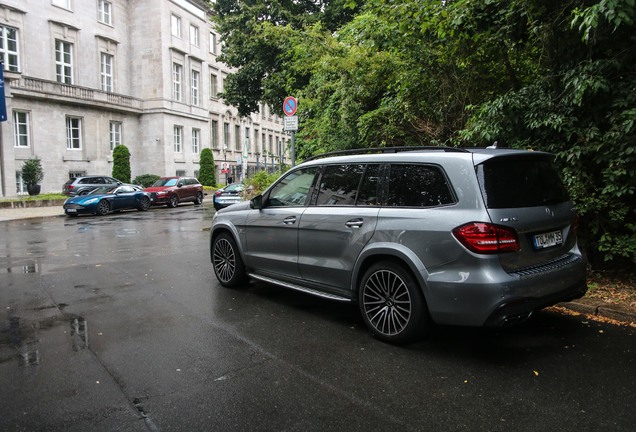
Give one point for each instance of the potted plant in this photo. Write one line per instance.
(32, 175)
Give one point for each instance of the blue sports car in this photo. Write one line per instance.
(103, 200)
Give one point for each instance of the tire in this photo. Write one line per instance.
(392, 304)
(144, 204)
(227, 262)
(84, 192)
(173, 201)
(198, 199)
(103, 208)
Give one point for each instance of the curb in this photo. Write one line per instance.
(30, 204)
(601, 310)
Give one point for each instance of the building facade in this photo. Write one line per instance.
(82, 76)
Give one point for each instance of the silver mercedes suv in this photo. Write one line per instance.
(475, 237)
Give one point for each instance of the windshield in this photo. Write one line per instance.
(166, 182)
(103, 190)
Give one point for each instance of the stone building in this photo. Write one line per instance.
(82, 76)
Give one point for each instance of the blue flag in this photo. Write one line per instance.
(3, 101)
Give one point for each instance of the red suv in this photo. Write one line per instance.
(171, 191)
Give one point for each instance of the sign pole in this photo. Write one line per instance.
(290, 105)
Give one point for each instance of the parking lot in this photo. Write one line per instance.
(118, 323)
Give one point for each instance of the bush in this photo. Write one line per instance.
(207, 176)
(32, 172)
(258, 183)
(121, 163)
(146, 180)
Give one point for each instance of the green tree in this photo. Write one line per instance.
(121, 163)
(263, 65)
(145, 180)
(207, 175)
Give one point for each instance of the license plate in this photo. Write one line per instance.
(548, 239)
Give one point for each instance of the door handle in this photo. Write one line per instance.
(289, 220)
(355, 223)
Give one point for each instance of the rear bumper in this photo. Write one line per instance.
(486, 295)
(518, 310)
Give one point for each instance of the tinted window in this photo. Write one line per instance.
(417, 186)
(293, 189)
(339, 185)
(368, 194)
(510, 182)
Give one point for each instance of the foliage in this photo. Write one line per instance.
(257, 183)
(121, 163)
(32, 172)
(146, 180)
(207, 175)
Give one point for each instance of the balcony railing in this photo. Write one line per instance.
(66, 91)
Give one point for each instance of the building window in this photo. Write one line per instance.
(226, 135)
(66, 4)
(196, 137)
(73, 133)
(194, 35)
(177, 72)
(20, 129)
(214, 89)
(107, 72)
(214, 133)
(105, 12)
(115, 134)
(20, 185)
(194, 81)
(176, 26)
(178, 138)
(237, 137)
(63, 62)
(212, 43)
(76, 174)
(9, 47)
(247, 139)
(180, 173)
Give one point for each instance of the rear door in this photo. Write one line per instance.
(336, 227)
(525, 192)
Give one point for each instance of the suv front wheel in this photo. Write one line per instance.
(392, 304)
(227, 261)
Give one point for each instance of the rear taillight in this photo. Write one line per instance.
(487, 238)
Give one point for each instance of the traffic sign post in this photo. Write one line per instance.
(290, 105)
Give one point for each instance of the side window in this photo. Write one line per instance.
(368, 194)
(293, 189)
(417, 186)
(339, 185)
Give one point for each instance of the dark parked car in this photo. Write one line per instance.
(230, 194)
(83, 185)
(171, 191)
(105, 199)
(472, 237)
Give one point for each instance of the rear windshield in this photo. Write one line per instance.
(529, 181)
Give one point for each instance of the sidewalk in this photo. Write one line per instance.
(587, 306)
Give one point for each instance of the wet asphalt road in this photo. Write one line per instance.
(117, 323)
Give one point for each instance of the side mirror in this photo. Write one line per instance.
(180, 184)
(257, 202)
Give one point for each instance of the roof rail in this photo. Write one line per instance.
(386, 150)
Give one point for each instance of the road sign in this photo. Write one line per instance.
(290, 123)
(290, 106)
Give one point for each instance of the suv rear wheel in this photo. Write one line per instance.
(392, 304)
